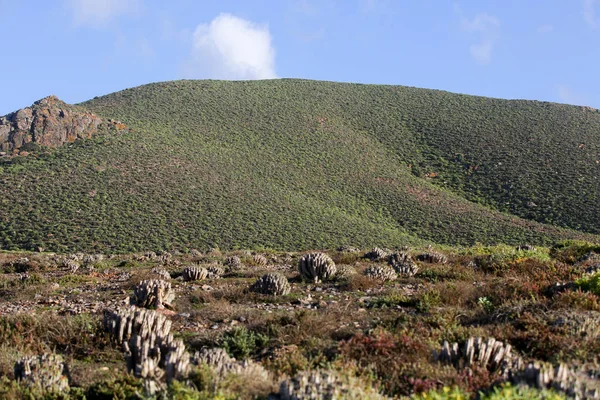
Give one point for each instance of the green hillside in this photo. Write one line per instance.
(294, 164)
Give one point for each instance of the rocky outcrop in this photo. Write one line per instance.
(50, 122)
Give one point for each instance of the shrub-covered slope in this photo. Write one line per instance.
(296, 164)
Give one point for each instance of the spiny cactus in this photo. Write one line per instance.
(149, 346)
(71, 265)
(123, 323)
(403, 264)
(194, 273)
(153, 293)
(233, 263)
(213, 252)
(316, 267)
(492, 354)
(165, 258)
(583, 325)
(260, 260)
(381, 272)
(215, 271)
(344, 271)
(196, 253)
(324, 384)
(76, 256)
(525, 247)
(177, 359)
(89, 259)
(161, 272)
(222, 364)
(432, 258)
(143, 358)
(348, 249)
(560, 378)
(45, 372)
(212, 357)
(273, 284)
(376, 254)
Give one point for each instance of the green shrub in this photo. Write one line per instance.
(502, 392)
(590, 283)
(486, 304)
(242, 343)
(427, 300)
(570, 251)
(125, 388)
(510, 392)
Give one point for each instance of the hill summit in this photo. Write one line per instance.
(295, 164)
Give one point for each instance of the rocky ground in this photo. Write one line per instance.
(348, 323)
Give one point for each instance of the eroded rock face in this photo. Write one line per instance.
(49, 122)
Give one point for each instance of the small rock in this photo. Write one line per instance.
(215, 326)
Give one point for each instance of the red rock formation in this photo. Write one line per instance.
(49, 122)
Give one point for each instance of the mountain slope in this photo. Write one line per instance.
(287, 164)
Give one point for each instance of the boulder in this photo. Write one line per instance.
(50, 122)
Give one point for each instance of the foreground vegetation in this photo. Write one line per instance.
(295, 165)
(375, 336)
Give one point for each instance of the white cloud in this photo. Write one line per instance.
(567, 95)
(231, 48)
(100, 12)
(589, 13)
(486, 27)
(482, 52)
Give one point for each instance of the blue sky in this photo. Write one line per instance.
(78, 49)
